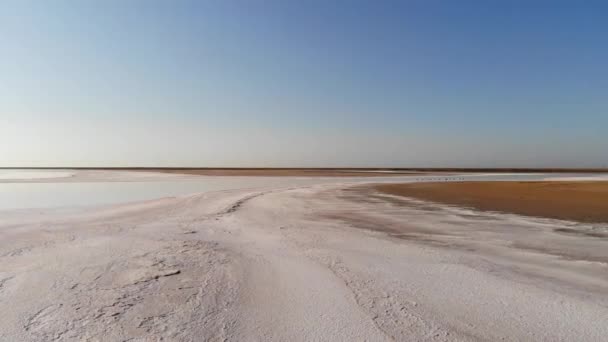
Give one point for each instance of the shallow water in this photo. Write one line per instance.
(15, 174)
(60, 194)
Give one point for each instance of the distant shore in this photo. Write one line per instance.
(317, 172)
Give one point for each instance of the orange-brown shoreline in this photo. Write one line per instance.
(565, 200)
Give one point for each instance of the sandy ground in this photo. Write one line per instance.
(585, 201)
(319, 263)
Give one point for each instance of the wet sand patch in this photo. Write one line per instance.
(564, 200)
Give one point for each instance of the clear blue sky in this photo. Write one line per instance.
(304, 83)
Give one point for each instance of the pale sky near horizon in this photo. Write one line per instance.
(304, 83)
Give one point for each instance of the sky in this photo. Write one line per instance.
(310, 83)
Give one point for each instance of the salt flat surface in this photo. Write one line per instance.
(296, 262)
